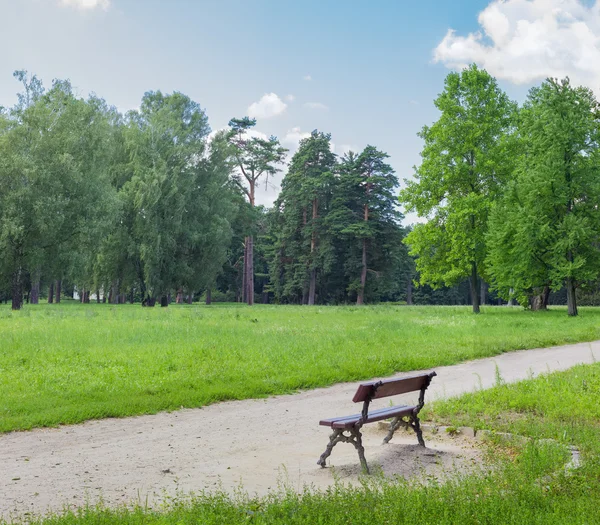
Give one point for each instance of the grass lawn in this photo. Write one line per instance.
(529, 484)
(69, 363)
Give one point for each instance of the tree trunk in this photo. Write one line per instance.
(17, 289)
(539, 301)
(312, 287)
(143, 295)
(113, 298)
(208, 296)
(483, 292)
(179, 298)
(474, 288)
(34, 296)
(245, 273)
(51, 293)
(571, 298)
(190, 297)
(511, 301)
(409, 291)
(250, 272)
(164, 301)
(58, 286)
(546, 296)
(363, 274)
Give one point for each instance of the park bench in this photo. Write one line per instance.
(401, 415)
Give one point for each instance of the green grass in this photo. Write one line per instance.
(564, 406)
(70, 363)
(528, 485)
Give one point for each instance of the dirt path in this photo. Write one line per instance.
(256, 442)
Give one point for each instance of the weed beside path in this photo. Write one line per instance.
(69, 363)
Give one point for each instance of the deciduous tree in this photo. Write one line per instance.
(546, 230)
(467, 160)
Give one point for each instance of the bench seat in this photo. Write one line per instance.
(375, 415)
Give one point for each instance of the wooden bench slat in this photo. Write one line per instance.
(390, 387)
(375, 415)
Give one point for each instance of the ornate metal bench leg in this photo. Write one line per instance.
(417, 428)
(334, 439)
(361, 450)
(396, 423)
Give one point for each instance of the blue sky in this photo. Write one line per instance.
(367, 72)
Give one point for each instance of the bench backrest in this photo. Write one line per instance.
(391, 387)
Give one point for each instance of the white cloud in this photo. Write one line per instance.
(294, 136)
(85, 4)
(316, 105)
(290, 98)
(308, 78)
(525, 41)
(414, 102)
(270, 105)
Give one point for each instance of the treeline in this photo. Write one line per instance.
(512, 195)
(149, 207)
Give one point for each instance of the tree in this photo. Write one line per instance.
(255, 158)
(545, 232)
(207, 231)
(467, 160)
(373, 205)
(179, 195)
(52, 178)
(301, 247)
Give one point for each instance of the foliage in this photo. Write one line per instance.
(55, 194)
(302, 246)
(545, 232)
(467, 159)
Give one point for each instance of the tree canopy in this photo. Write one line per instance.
(149, 205)
(467, 160)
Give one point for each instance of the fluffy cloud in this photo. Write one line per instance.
(315, 105)
(85, 5)
(308, 78)
(270, 105)
(290, 98)
(526, 41)
(294, 136)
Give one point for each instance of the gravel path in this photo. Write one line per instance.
(259, 443)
